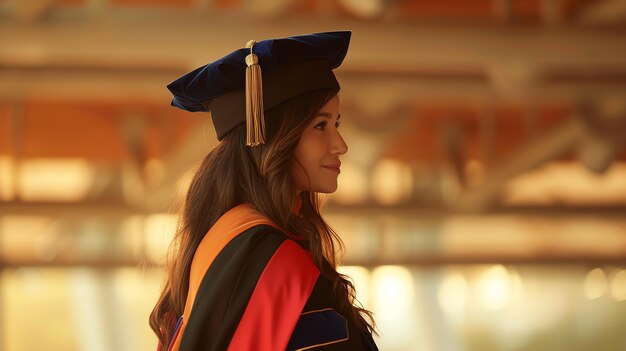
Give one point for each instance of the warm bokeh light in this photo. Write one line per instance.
(351, 184)
(135, 292)
(26, 237)
(159, 232)
(360, 236)
(495, 288)
(618, 285)
(54, 179)
(361, 279)
(521, 236)
(393, 292)
(132, 234)
(517, 286)
(89, 306)
(394, 300)
(29, 292)
(554, 182)
(364, 8)
(391, 182)
(452, 293)
(595, 284)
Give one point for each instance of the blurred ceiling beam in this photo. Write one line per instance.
(534, 153)
(72, 210)
(504, 10)
(109, 85)
(100, 59)
(267, 9)
(597, 136)
(552, 11)
(603, 12)
(190, 40)
(31, 11)
(603, 138)
(106, 84)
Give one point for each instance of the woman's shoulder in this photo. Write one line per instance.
(258, 265)
(245, 246)
(241, 238)
(242, 217)
(244, 234)
(265, 242)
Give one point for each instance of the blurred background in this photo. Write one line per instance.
(482, 201)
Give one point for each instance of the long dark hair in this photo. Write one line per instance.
(232, 174)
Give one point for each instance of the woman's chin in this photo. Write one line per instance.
(327, 190)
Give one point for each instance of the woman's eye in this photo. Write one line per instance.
(323, 124)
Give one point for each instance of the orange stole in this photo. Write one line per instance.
(232, 223)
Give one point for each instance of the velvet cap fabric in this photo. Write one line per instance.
(290, 67)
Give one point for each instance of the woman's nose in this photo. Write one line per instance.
(339, 145)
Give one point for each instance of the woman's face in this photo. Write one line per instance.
(318, 151)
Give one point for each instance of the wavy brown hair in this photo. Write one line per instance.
(232, 174)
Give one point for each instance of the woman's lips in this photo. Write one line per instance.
(336, 169)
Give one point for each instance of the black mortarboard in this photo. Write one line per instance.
(234, 90)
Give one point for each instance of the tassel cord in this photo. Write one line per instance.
(255, 119)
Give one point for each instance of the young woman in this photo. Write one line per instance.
(253, 266)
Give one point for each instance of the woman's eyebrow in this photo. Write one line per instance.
(327, 115)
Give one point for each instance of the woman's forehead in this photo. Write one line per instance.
(330, 108)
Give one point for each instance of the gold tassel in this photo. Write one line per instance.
(255, 119)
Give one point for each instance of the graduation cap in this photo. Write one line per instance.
(241, 86)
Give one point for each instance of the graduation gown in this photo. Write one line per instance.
(254, 286)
